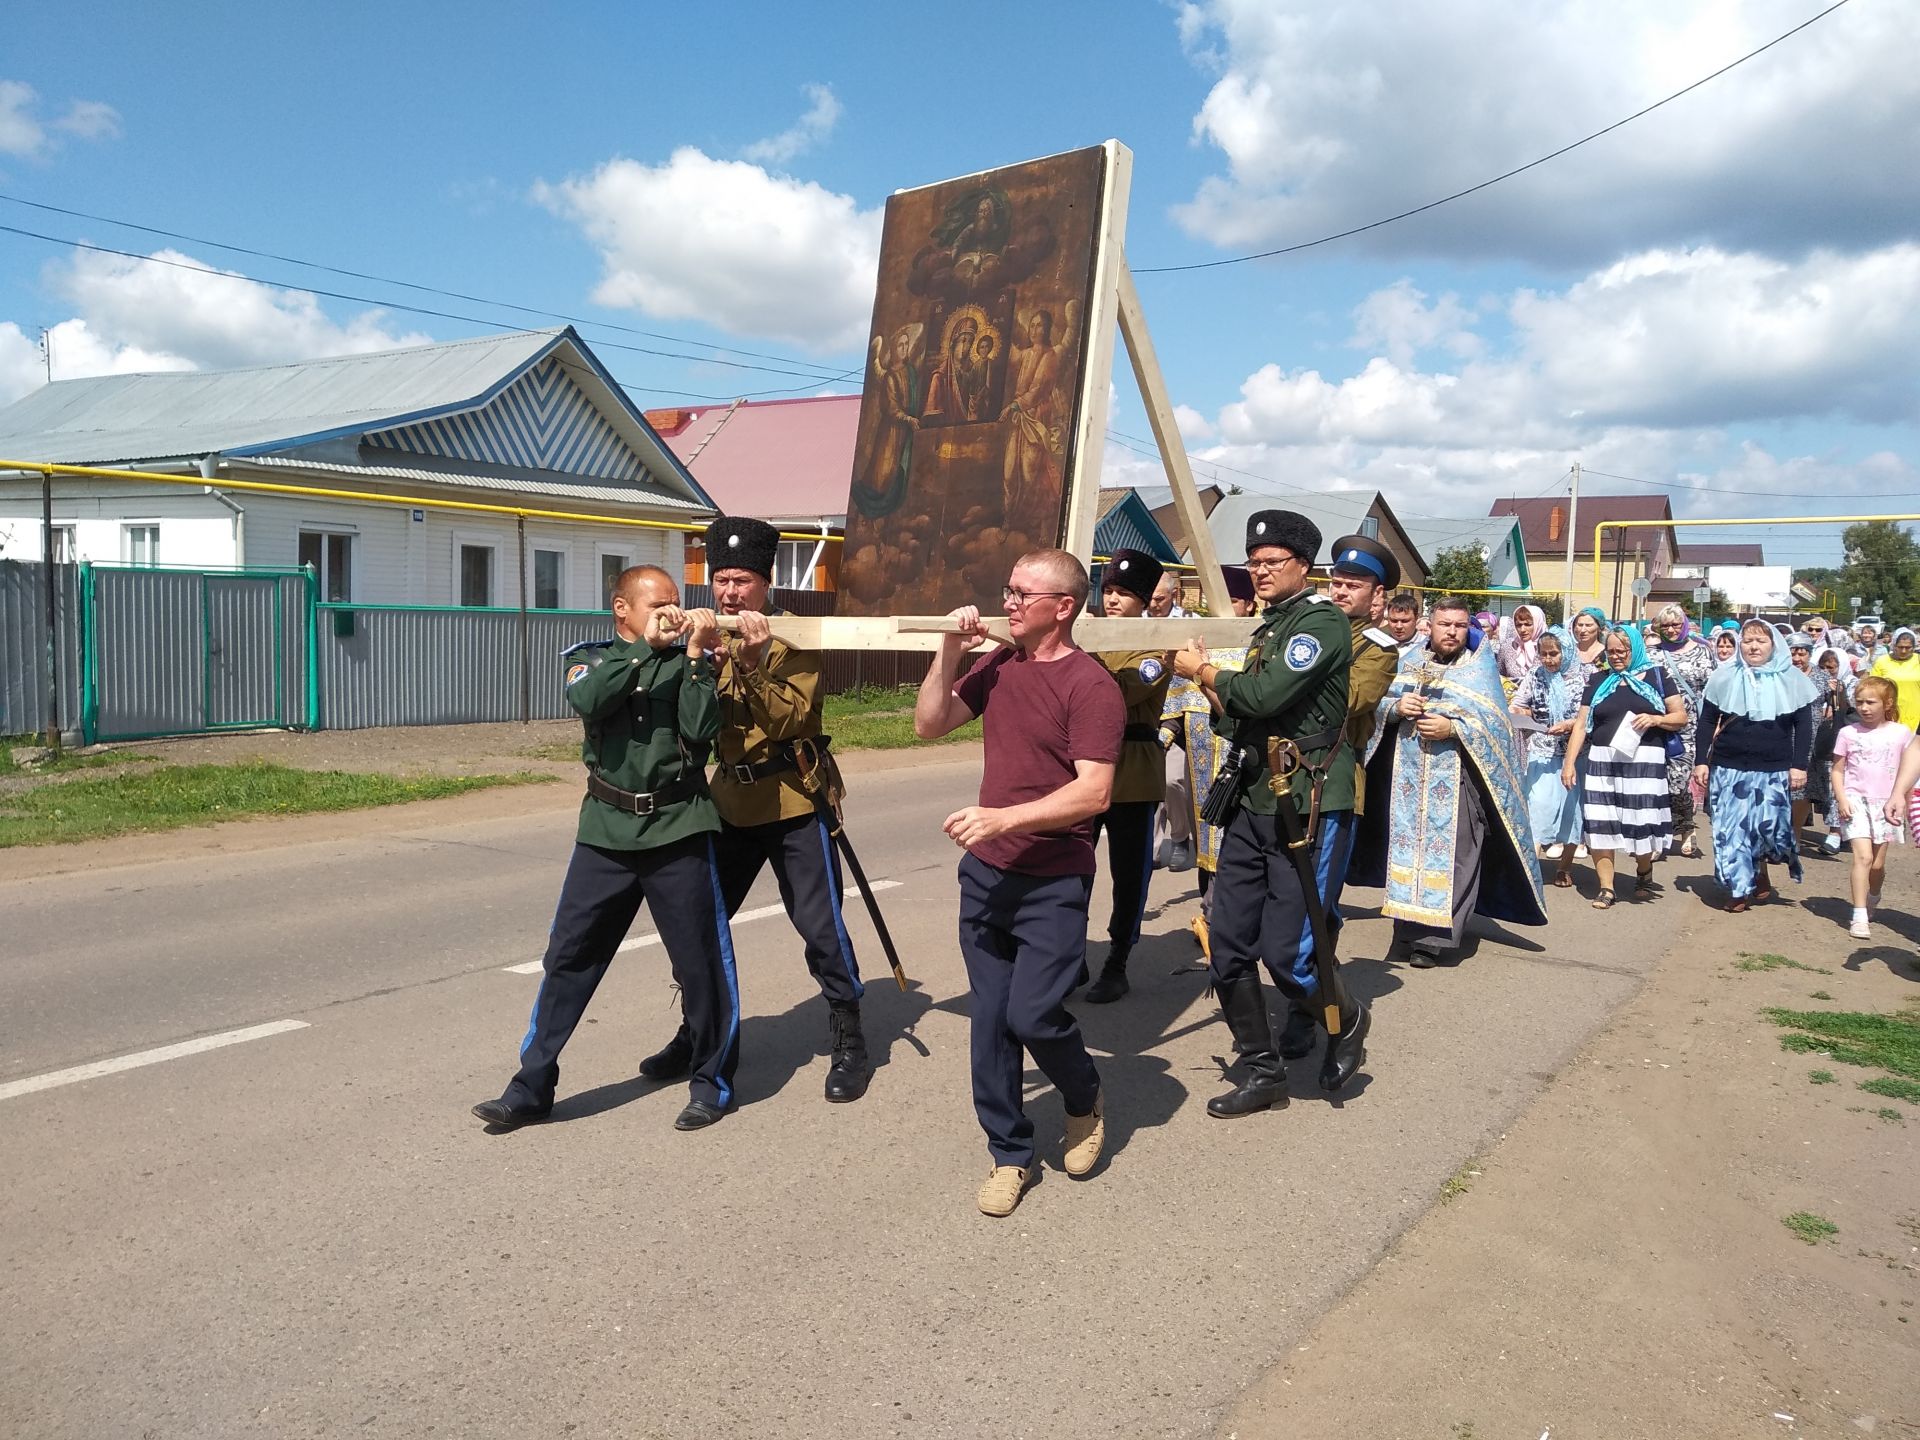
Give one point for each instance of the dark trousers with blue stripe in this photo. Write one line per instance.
(807, 868)
(604, 889)
(1256, 909)
(1293, 970)
(1129, 827)
(1024, 938)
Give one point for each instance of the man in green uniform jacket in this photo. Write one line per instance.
(1140, 780)
(646, 834)
(1361, 572)
(770, 726)
(1294, 688)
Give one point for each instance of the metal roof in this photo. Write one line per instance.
(1492, 533)
(525, 483)
(771, 459)
(125, 419)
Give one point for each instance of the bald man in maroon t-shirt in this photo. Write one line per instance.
(1053, 725)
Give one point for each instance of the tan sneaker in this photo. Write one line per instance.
(1002, 1189)
(1085, 1135)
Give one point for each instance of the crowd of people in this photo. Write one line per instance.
(1434, 753)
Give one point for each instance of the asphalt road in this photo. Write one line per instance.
(306, 1234)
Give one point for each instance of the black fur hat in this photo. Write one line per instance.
(1134, 571)
(739, 542)
(1286, 528)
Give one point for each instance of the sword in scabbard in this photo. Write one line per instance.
(1300, 851)
(808, 764)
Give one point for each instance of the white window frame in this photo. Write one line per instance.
(603, 552)
(564, 554)
(323, 571)
(800, 553)
(491, 545)
(128, 530)
(66, 544)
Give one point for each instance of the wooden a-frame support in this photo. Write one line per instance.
(1115, 305)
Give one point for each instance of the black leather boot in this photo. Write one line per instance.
(1244, 1002)
(1301, 1032)
(1112, 983)
(1347, 1051)
(672, 1061)
(849, 1073)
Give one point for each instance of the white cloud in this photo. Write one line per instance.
(21, 367)
(727, 243)
(1399, 321)
(90, 120)
(1333, 116)
(1194, 426)
(138, 316)
(1659, 340)
(25, 135)
(811, 129)
(210, 318)
(1701, 336)
(1648, 367)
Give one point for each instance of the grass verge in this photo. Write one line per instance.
(1855, 1037)
(1810, 1227)
(175, 796)
(1752, 963)
(1893, 1087)
(882, 720)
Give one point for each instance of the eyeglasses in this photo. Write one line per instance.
(1021, 597)
(1260, 567)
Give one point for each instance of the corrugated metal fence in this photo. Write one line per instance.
(178, 652)
(401, 665)
(23, 646)
(148, 651)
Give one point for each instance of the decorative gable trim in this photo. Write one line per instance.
(543, 421)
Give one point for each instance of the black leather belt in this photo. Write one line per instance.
(643, 802)
(782, 762)
(1142, 732)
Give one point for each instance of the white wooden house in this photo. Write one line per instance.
(528, 419)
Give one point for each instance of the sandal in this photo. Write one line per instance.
(1603, 901)
(1563, 881)
(1643, 884)
(1687, 851)
(1737, 907)
(1761, 896)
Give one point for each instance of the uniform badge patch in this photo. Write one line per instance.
(1302, 651)
(577, 672)
(1151, 669)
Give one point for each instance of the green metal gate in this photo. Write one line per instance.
(173, 651)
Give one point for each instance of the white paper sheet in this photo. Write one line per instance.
(1625, 741)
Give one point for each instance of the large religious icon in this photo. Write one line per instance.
(975, 371)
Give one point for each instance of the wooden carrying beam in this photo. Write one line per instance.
(922, 632)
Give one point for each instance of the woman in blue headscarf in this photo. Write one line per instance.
(1589, 627)
(1628, 712)
(1755, 737)
(1549, 697)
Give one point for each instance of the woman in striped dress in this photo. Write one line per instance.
(1628, 712)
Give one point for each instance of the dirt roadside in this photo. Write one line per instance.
(1616, 1265)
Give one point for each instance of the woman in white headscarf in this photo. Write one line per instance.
(1519, 641)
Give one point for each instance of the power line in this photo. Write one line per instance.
(389, 280)
(1484, 184)
(816, 376)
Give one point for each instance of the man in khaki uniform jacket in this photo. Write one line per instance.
(770, 723)
(1140, 779)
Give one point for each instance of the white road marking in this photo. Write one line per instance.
(98, 1068)
(638, 942)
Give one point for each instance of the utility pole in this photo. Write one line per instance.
(1573, 531)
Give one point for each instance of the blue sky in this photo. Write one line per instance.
(1716, 299)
